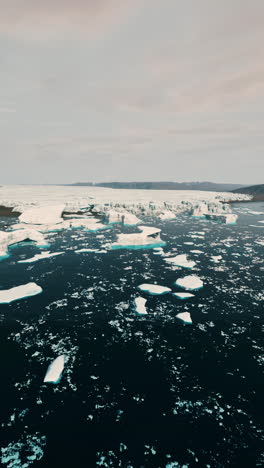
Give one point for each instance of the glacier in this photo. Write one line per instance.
(28, 200)
(55, 369)
(154, 289)
(19, 292)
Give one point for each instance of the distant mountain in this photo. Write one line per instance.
(206, 186)
(257, 191)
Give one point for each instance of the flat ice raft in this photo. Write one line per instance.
(154, 289)
(19, 292)
(148, 237)
(191, 282)
(181, 260)
(55, 369)
(185, 317)
(40, 257)
(183, 296)
(140, 305)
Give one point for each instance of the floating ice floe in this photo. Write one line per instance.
(140, 305)
(191, 282)
(123, 217)
(216, 258)
(90, 223)
(149, 237)
(197, 251)
(41, 256)
(181, 260)
(185, 317)
(260, 242)
(183, 295)
(214, 210)
(55, 369)
(90, 250)
(10, 238)
(154, 289)
(43, 215)
(19, 292)
(166, 214)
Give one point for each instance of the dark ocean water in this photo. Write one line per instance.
(137, 391)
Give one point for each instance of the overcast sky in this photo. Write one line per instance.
(101, 90)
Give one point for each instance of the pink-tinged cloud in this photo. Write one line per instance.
(38, 17)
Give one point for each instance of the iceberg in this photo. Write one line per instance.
(55, 369)
(183, 295)
(43, 215)
(123, 217)
(19, 292)
(40, 257)
(140, 305)
(166, 214)
(149, 237)
(9, 238)
(154, 289)
(191, 282)
(181, 260)
(185, 317)
(91, 224)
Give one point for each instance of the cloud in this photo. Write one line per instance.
(44, 17)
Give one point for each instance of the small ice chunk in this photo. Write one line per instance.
(183, 295)
(19, 292)
(217, 258)
(181, 260)
(55, 369)
(140, 305)
(154, 289)
(90, 250)
(40, 257)
(191, 282)
(185, 317)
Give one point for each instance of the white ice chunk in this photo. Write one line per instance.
(181, 260)
(19, 292)
(183, 295)
(123, 217)
(43, 215)
(90, 250)
(216, 258)
(140, 305)
(91, 224)
(166, 214)
(191, 282)
(154, 289)
(55, 370)
(40, 257)
(149, 236)
(185, 317)
(14, 237)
